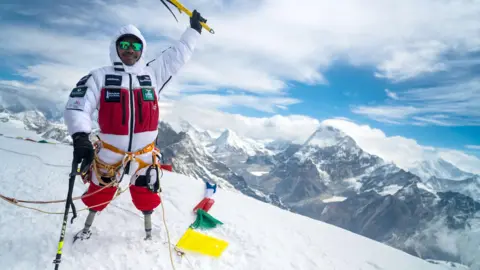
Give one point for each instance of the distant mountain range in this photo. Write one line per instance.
(430, 211)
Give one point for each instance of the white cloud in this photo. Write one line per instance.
(391, 94)
(221, 102)
(411, 62)
(259, 46)
(387, 112)
(291, 127)
(445, 105)
(462, 160)
(474, 147)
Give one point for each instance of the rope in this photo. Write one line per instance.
(15, 202)
(168, 237)
(54, 201)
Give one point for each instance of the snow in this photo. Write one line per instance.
(260, 173)
(425, 187)
(229, 141)
(335, 199)
(260, 236)
(354, 183)
(439, 168)
(326, 136)
(390, 190)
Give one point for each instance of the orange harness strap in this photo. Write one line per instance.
(112, 169)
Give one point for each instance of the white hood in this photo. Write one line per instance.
(140, 64)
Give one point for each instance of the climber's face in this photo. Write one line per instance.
(129, 49)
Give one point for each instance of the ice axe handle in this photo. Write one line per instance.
(189, 13)
(204, 25)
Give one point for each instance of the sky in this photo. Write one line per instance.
(403, 73)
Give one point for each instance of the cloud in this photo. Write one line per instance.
(453, 104)
(474, 147)
(404, 152)
(261, 46)
(387, 114)
(391, 94)
(263, 104)
(292, 127)
(406, 63)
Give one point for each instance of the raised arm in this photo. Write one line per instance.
(172, 59)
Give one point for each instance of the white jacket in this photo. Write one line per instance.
(126, 97)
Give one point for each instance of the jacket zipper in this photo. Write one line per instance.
(124, 110)
(139, 102)
(132, 107)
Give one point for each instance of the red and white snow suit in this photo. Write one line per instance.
(126, 98)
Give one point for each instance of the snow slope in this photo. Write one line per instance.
(264, 238)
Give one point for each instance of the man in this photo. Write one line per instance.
(125, 95)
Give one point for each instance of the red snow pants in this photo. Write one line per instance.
(142, 198)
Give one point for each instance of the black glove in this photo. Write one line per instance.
(82, 150)
(195, 21)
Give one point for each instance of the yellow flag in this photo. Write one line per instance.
(201, 243)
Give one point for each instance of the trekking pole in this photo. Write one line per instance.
(69, 202)
(181, 8)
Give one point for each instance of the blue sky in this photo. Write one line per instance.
(392, 66)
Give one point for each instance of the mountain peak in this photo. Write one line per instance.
(229, 143)
(439, 168)
(326, 136)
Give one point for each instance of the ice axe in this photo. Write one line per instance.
(181, 8)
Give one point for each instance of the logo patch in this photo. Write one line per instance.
(78, 91)
(83, 80)
(148, 94)
(112, 95)
(144, 80)
(76, 103)
(113, 80)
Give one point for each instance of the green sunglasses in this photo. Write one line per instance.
(125, 45)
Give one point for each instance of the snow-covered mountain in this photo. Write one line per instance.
(331, 178)
(232, 149)
(329, 163)
(204, 137)
(36, 121)
(191, 158)
(438, 168)
(277, 239)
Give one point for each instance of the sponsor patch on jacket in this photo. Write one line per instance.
(83, 80)
(144, 80)
(113, 80)
(112, 95)
(148, 94)
(78, 92)
(76, 103)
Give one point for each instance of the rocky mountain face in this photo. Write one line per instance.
(371, 197)
(413, 219)
(469, 186)
(191, 158)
